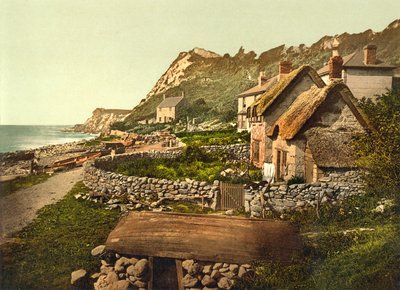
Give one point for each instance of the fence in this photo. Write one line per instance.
(231, 196)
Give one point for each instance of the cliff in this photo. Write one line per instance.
(215, 80)
(101, 120)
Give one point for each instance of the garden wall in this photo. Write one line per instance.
(335, 186)
(235, 151)
(138, 192)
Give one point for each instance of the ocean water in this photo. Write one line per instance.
(16, 137)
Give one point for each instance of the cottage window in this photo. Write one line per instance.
(159, 119)
(256, 150)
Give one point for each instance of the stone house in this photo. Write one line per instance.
(361, 71)
(168, 110)
(272, 104)
(304, 127)
(248, 97)
(313, 137)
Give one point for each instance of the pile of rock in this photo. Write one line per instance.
(207, 276)
(117, 272)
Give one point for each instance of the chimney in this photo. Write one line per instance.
(285, 67)
(262, 78)
(370, 54)
(335, 67)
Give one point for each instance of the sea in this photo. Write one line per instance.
(23, 137)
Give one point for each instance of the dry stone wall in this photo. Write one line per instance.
(133, 192)
(334, 187)
(235, 151)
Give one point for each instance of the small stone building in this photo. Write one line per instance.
(361, 71)
(313, 137)
(272, 104)
(168, 109)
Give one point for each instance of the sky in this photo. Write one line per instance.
(61, 59)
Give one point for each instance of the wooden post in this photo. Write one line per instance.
(179, 274)
(151, 264)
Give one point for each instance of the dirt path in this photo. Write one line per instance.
(19, 208)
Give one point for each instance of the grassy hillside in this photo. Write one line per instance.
(218, 80)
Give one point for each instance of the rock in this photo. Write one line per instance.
(77, 276)
(233, 268)
(130, 270)
(229, 212)
(139, 284)
(242, 271)
(120, 285)
(215, 274)
(187, 264)
(208, 281)
(225, 283)
(111, 277)
(95, 276)
(98, 250)
(133, 261)
(195, 269)
(223, 270)
(207, 269)
(189, 281)
(106, 269)
(101, 283)
(140, 268)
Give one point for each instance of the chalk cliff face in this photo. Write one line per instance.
(101, 120)
(217, 80)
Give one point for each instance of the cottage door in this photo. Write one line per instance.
(309, 166)
(278, 164)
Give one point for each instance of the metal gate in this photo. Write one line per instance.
(231, 196)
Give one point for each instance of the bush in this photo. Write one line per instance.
(379, 150)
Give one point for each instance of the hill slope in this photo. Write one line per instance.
(219, 79)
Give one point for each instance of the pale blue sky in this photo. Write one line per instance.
(60, 59)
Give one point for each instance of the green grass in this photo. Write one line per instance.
(193, 164)
(9, 187)
(207, 138)
(337, 259)
(187, 207)
(56, 243)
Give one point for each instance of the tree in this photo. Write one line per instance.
(379, 150)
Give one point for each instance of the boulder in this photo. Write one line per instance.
(187, 264)
(140, 268)
(195, 269)
(77, 276)
(208, 281)
(120, 285)
(189, 281)
(98, 250)
(225, 283)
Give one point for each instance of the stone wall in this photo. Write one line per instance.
(125, 272)
(133, 192)
(208, 275)
(335, 186)
(235, 151)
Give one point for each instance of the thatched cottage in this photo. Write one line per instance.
(304, 127)
(361, 71)
(272, 104)
(167, 110)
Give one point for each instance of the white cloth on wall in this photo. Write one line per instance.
(269, 172)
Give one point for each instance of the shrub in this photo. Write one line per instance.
(378, 151)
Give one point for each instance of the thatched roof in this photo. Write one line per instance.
(268, 98)
(331, 148)
(305, 105)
